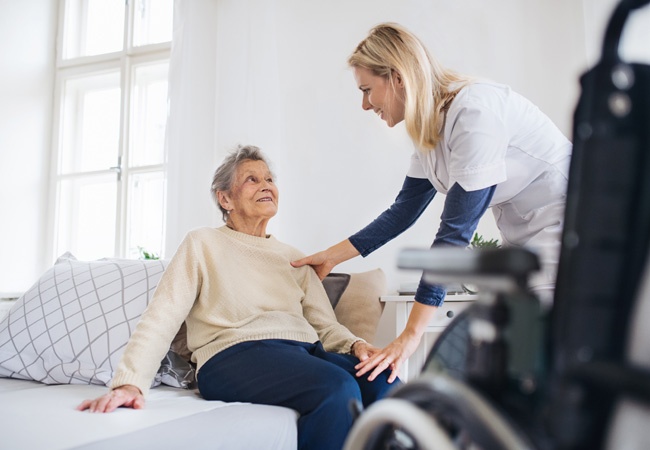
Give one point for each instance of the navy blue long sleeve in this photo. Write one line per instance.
(412, 200)
(460, 216)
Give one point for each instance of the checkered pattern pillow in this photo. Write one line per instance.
(72, 326)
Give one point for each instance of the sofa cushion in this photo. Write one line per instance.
(335, 284)
(72, 325)
(359, 307)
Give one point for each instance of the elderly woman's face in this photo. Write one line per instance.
(253, 193)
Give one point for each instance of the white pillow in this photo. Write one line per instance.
(360, 307)
(72, 326)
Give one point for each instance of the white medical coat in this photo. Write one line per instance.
(494, 136)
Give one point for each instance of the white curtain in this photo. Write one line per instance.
(223, 80)
(192, 116)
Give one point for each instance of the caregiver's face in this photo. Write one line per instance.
(378, 95)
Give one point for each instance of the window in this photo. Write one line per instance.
(111, 97)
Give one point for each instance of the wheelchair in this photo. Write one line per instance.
(509, 373)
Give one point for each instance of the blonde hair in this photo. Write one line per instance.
(429, 86)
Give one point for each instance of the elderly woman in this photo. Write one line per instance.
(259, 330)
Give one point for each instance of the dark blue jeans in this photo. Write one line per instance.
(319, 385)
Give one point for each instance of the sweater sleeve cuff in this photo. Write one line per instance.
(122, 379)
(351, 344)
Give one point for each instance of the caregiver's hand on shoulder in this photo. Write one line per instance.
(127, 395)
(320, 261)
(323, 262)
(392, 357)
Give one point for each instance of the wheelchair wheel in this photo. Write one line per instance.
(376, 428)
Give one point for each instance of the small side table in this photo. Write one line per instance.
(454, 304)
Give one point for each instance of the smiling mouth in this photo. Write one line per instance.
(265, 199)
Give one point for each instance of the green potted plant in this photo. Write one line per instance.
(145, 254)
(478, 242)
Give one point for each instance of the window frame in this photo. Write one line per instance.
(125, 63)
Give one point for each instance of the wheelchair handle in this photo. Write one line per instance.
(501, 270)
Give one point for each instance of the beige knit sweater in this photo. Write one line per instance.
(229, 287)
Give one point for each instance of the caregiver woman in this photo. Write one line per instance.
(477, 142)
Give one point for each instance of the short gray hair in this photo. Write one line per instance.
(223, 176)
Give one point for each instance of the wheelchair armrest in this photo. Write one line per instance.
(614, 377)
(501, 269)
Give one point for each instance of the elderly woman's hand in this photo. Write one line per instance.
(127, 395)
(362, 350)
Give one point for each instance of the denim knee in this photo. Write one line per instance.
(345, 390)
(336, 390)
(328, 423)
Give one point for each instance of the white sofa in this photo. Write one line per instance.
(60, 343)
(36, 416)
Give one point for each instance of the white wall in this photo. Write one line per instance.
(338, 166)
(283, 84)
(27, 46)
